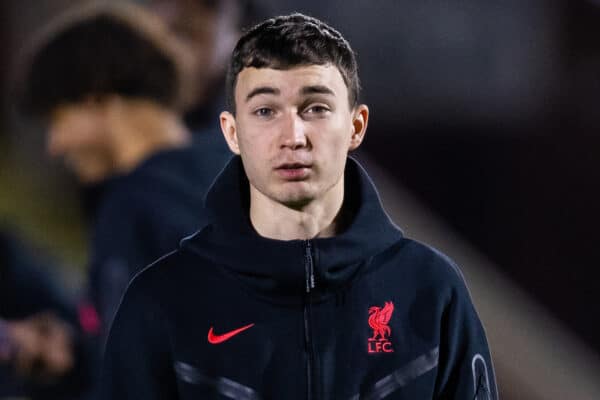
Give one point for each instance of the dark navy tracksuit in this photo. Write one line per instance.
(367, 314)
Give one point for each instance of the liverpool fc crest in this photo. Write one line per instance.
(378, 321)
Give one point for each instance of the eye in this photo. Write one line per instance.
(317, 109)
(263, 112)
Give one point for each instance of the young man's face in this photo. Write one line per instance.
(77, 134)
(293, 129)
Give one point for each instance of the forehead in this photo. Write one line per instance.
(290, 82)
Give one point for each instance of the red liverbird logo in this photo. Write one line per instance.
(378, 321)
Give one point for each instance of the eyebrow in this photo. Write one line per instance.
(306, 90)
(316, 89)
(262, 90)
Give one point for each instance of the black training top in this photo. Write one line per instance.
(367, 314)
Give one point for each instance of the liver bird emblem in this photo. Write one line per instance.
(378, 320)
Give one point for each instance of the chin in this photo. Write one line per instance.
(297, 204)
(296, 200)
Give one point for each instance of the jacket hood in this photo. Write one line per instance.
(280, 267)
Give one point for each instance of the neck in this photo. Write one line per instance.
(141, 129)
(320, 218)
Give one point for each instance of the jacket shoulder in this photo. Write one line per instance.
(162, 271)
(425, 264)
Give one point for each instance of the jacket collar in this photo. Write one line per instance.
(278, 266)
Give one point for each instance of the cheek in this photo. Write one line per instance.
(336, 141)
(334, 148)
(61, 138)
(85, 140)
(251, 151)
(79, 131)
(257, 141)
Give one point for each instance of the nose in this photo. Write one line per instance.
(294, 133)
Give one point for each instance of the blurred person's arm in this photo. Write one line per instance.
(39, 348)
(39, 325)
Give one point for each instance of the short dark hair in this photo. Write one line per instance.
(288, 41)
(97, 54)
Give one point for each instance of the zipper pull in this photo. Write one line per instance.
(309, 267)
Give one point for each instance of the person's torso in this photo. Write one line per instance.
(376, 337)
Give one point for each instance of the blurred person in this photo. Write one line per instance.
(208, 30)
(37, 347)
(105, 82)
(43, 350)
(298, 286)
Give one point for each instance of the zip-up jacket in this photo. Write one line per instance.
(367, 314)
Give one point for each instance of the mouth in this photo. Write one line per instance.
(294, 165)
(294, 171)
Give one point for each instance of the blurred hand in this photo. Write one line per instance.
(42, 347)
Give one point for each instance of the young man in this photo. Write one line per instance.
(300, 287)
(106, 83)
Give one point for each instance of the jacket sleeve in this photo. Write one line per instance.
(465, 366)
(137, 358)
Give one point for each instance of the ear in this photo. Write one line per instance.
(360, 119)
(229, 129)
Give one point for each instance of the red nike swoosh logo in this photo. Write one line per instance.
(216, 339)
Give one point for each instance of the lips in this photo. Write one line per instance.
(295, 165)
(293, 170)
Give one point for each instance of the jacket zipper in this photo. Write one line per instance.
(310, 284)
(309, 267)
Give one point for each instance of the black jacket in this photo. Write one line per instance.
(367, 314)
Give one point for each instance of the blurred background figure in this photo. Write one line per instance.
(207, 30)
(43, 350)
(105, 83)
